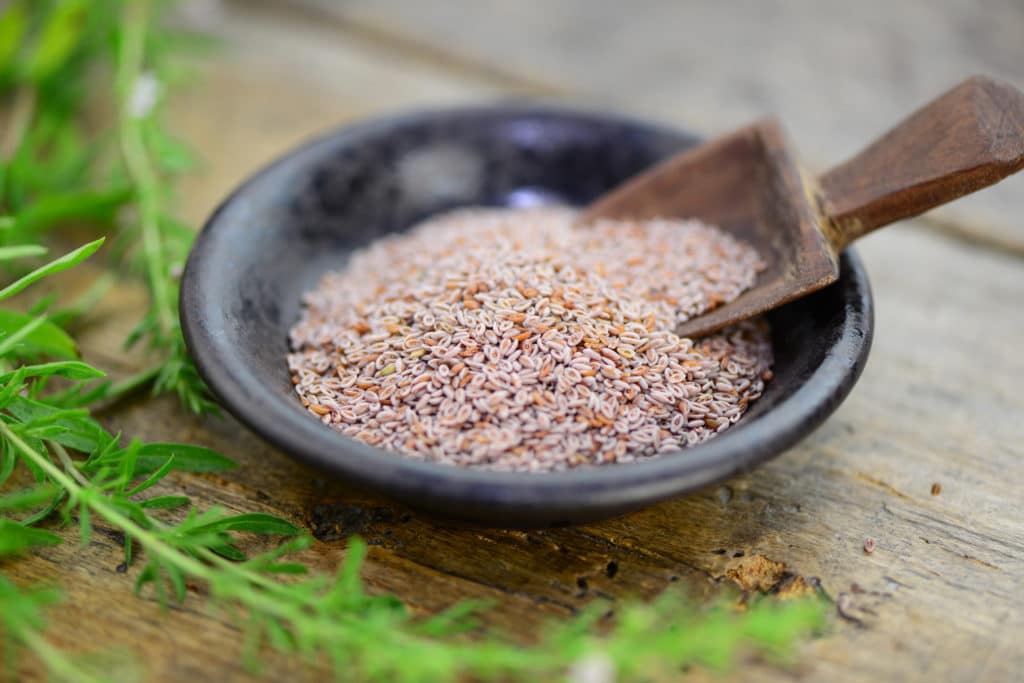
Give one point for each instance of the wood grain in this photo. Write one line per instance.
(940, 401)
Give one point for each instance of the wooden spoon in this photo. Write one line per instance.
(750, 184)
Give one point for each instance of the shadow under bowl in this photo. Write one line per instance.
(305, 213)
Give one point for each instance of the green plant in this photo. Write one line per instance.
(59, 167)
(59, 467)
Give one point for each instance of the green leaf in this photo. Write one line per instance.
(13, 23)
(46, 339)
(63, 263)
(84, 523)
(12, 389)
(153, 478)
(8, 458)
(285, 568)
(57, 40)
(44, 512)
(152, 457)
(29, 498)
(15, 538)
(254, 522)
(82, 395)
(129, 456)
(21, 251)
(106, 446)
(78, 206)
(165, 502)
(228, 552)
(10, 342)
(46, 432)
(82, 433)
(72, 369)
(149, 574)
(132, 510)
(177, 579)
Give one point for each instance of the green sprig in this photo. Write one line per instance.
(130, 82)
(50, 166)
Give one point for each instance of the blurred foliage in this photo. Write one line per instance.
(65, 161)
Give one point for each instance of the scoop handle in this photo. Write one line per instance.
(969, 138)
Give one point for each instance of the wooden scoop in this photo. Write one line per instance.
(750, 184)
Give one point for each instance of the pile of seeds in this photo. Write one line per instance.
(511, 340)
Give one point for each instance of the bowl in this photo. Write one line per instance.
(271, 240)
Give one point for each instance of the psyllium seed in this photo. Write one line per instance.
(512, 340)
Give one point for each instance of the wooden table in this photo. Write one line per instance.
(939, 403)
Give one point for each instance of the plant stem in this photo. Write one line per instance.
(69, 464)
(130, 62)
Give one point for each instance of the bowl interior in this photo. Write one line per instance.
(273, 238)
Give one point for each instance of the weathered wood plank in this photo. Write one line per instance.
(940, 401)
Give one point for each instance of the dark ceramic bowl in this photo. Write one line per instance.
(272, 239)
